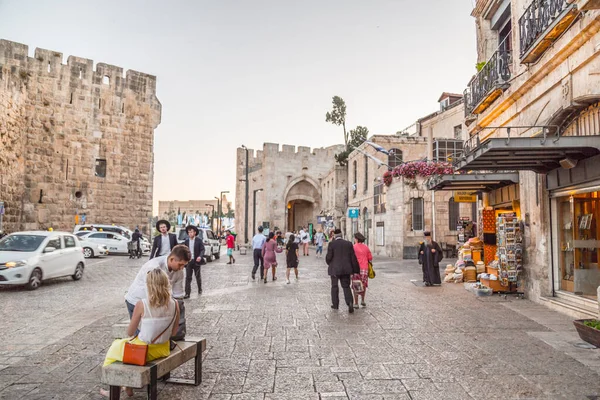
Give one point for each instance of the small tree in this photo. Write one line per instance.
(357, 137)
(337, 116)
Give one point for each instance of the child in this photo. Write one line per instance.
(319, 239)
(230, 247)
(291, 251)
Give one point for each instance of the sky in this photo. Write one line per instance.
(254, 71)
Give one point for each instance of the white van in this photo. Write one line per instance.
(212, 246)
(121, 230)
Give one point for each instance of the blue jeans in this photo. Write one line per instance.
(319, 250)
(130, 308)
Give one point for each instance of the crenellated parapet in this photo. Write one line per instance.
(290, 153)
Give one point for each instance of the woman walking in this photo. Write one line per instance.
(291, 258)
(364, 256)
(157, 318)
(269, 251)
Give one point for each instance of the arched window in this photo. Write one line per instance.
(453, 214)
(394, 157)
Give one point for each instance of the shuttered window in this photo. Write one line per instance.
(453, 214)
(418, 215)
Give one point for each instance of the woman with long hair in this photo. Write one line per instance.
(364, 256)
(269, 251)
(291, 258)
(157, 318)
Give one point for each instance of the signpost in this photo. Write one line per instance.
(465, 197)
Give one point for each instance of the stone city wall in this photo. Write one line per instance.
(69, 118)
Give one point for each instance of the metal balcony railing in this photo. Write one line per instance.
(537, 18)
(489, 82)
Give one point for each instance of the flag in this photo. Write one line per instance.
(377, 147)
(377, 161)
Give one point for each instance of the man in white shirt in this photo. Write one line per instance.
(173, 264)
(258, 242)
(196, 247)
(163, 243)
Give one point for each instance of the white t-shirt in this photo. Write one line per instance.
(304, 237)
(137, 290)
(165, 245)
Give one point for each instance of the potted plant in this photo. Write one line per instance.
(589, 330)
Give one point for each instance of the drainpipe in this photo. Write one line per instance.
(430, 157)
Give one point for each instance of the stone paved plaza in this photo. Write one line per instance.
(278, 341)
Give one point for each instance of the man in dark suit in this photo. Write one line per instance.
(194, 243)
(342, 263)
(163, 243)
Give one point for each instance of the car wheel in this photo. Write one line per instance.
(35, 279)
(217, 255)
(209, 258)
(88, 253)
(78, 272)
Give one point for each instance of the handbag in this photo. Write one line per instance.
(371, 271)
(135, 354)
(357, 286)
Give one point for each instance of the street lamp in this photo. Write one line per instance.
(212, 216)
(254, 209)
(221, 210)
(218, 216)
(246, 202)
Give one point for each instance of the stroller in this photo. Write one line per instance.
(134, 249)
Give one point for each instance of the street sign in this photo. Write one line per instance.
(353, 212)
(465, 197)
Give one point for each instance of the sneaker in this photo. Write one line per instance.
(187, 296)
(363, 304)
(355, 306)
(287, 281)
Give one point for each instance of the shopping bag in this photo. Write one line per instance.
(371, 271)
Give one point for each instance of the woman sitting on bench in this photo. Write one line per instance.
(157, 318)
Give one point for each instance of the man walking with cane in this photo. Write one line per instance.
(193, 267)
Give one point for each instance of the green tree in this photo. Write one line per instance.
(357, 137)
(337, 115)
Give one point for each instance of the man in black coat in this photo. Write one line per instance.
(163, 243)
(342, 263)
(430, 255)
(194, 243)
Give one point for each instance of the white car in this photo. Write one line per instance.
(115, 243)
(28, 258)
(212, 246)
(92, 249)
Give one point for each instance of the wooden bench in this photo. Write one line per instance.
(118, 374)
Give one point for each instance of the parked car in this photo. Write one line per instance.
(116, 243)
(81, 230)
(92, 249)
(28, 258)
(212, 247)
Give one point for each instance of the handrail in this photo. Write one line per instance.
(536, 19)
(495, 73)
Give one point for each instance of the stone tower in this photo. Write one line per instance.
(74, 141)
(290, 180)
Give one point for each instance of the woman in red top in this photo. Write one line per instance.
(363, 254)
(230, 247)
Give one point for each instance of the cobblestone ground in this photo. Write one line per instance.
(278, 341)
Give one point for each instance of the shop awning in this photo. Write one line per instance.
(484, 182)
(532, 153)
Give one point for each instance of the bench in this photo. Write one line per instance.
(118, 374)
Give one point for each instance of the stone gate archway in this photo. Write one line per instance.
(302, 200)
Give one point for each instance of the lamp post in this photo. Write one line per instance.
(246, 201)
(218, 216)
(212, 216)
(254, 208)
(221, 210)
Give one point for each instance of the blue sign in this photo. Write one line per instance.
(353, 212)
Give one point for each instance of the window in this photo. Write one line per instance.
(444, 103)
(98, 236)
(379, 199)
(453, 214)
(418, 217)
(100, 168)
(366, 174)
(210, 235)
(394, 157)
(354, 167)
(105, 80)
(111, 236)
(69, 241)
(54, 243)
(446, 150)
(458, 132)
(380, 234)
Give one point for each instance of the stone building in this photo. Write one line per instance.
(335, 198)
(286, 183)
(168, 209)
(533, 111)
(393, 217)
(74, 140)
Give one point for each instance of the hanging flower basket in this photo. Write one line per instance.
(412, 170)
(387, 178)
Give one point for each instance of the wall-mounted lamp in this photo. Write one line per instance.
(568, 163)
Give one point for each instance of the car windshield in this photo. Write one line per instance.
(25, 243)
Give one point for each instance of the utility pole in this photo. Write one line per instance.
(254, 209)
(246, 201)
(212, 216)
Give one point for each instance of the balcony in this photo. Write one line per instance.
(489, 83)
(541, 24)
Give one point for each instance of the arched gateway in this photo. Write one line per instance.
(303, 201)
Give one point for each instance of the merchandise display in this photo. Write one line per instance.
(510, 248)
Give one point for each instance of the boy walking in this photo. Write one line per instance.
(230, 246)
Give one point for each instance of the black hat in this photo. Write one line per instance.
(163, 221)
(195, 228)
(427, 233)
(337, 232)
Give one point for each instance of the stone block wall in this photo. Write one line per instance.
(69, 118)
